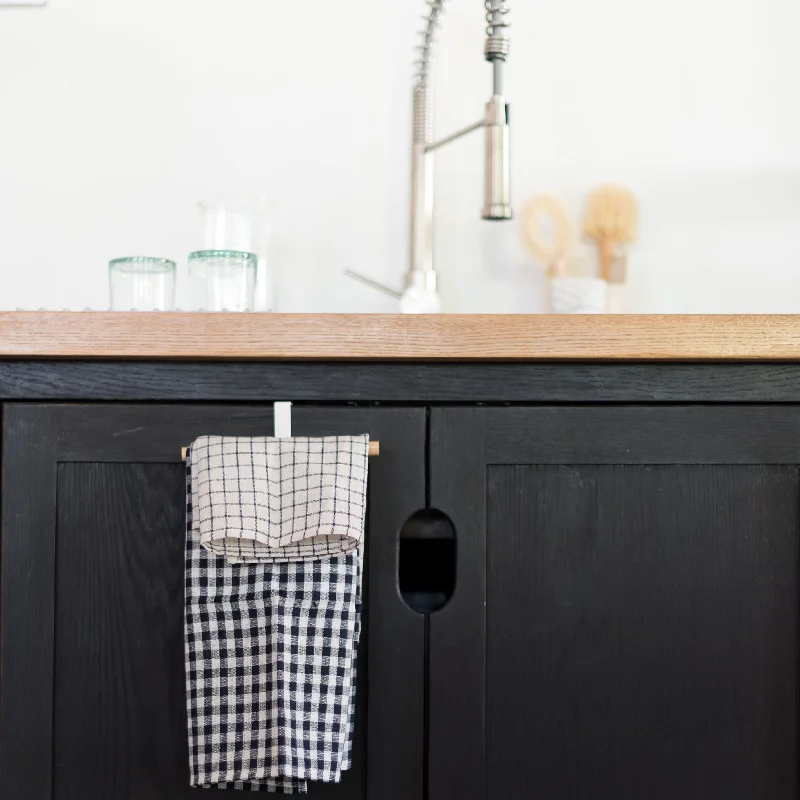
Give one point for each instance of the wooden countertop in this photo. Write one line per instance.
(374, 337)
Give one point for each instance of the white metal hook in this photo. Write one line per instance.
(282, 415)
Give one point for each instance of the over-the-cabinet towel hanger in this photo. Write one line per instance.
(283, 428)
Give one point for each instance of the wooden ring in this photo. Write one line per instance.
(544, 250)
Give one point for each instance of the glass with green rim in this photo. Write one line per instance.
(141, 283)
(242, 222)
(222, 280)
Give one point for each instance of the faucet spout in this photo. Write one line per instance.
(497, 166)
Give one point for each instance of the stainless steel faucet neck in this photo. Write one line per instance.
(497, 202)
(420, 294)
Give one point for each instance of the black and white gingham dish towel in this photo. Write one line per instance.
(270, 664)
(270, 500)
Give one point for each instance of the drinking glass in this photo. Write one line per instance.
(141, 283)
(243, 224)
(222, 280)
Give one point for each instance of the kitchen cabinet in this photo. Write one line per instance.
(93, 698)
(625, 622)
(604, 557)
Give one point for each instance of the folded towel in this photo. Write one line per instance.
(271, 500)
(270, 666)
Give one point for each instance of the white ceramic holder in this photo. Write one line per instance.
(570, 295)
(617, 296)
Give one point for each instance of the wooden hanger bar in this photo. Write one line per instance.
(374, 450)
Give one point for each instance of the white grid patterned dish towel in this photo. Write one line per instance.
(270, 666)
(269, 500)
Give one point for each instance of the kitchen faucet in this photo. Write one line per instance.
(420, 294)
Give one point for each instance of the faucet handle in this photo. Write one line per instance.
(420, 296)
(379, 287)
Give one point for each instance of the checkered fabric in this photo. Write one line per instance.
(270, 666)
(271, 500)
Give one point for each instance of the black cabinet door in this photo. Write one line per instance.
(625, 618)
(92, 700)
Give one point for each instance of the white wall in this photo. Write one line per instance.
(117, 116)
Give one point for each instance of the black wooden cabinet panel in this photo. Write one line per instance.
(92, 699)
(119, 700)
(398, 382)
(625, 620)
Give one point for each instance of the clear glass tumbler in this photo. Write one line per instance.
(243, 224)
(141, 283)
(222, 280)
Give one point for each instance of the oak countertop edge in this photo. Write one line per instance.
(395, 337)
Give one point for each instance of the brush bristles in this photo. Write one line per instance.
(611, 214)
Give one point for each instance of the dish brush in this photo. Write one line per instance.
(551, 250)
(612, 218)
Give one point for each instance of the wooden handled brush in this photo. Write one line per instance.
(611, 221)
(553, 250)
